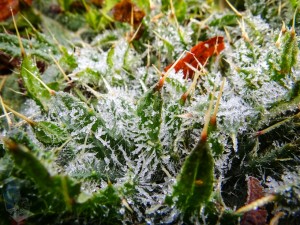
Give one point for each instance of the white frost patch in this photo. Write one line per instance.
(233, 113)
(92, 59)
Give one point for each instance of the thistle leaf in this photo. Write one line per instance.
(49, 133)
(106, 202)
(195, 182)
(63, 191)
(289, 52)
(35, 89)
(149, 109)
(40, 47)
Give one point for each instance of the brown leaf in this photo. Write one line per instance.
(255, 217)
(202, 51)
(7, 7)
(123, 11)
(255, 191)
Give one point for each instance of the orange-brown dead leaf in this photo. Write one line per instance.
(202, 51)
(7, 7)
(123, 11)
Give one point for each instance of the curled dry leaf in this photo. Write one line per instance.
(126, 11)
(198, 54)
(7, 7)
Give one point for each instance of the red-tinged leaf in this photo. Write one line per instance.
(202, 51)
(255, 217)
(7, 7)
(255, 191)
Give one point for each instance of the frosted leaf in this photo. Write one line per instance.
(234, 112)
(90, 58)
(269, 93)
(169, 34)
(90, 187)
(108, 140)
(120, 49)
(83, 165)
(85, 130)
(31, 109)
(106, 35)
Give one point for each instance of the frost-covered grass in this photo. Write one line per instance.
(122, 150)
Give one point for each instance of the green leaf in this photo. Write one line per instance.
(71, 21)
(289, 52)
(227, 20)
(287, 58)
(94, 19)
(62, 190)
(110, 56)
(89, 76)
(29, 163)
(50, 133)
(180, 8)
(9, 43)
(216, 147)
(68, 59)
(143, 5)
(60, 32)
(294, 3)
(106, 40)
(40, 46)
(104, 204)
(65, 4)
(65, 101)
(195, 182)
(11, 83)
(35, 89)
(174, 122)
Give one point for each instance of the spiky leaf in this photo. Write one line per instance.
(35, 89)
(149, 110)
(195, 181)
(50, 133)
